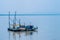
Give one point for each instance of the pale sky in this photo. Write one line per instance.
(23, 6)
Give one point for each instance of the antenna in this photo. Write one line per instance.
(30, 23)
(24, 23)
(9, 19)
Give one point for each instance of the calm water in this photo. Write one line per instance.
(48, 28)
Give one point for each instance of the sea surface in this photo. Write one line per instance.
(48, 28)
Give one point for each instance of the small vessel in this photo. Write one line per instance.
(20, 27)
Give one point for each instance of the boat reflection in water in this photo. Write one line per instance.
(27, 35)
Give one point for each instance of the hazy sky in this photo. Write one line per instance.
(30, 6)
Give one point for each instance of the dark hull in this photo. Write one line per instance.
(13, 29)
(16, 30)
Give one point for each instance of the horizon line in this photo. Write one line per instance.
(30, 14)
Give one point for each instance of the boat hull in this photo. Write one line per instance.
(10, 29)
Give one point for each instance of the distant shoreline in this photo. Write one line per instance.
(31, 14)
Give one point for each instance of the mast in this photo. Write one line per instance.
(24, 23)
(13, 24)
(14, 21)
(19, 23)
(15, 17)
(30, 23)
(9, 19)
